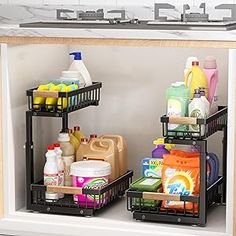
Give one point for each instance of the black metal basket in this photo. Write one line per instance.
(204, 127)
(101, 197)
(64, 102)
(137, 203)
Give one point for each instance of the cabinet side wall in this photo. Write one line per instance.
(1, 143)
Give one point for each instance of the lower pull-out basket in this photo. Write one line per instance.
(95, 199)
(147, 206)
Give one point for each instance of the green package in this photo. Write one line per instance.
(146, 184)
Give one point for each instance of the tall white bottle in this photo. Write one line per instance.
(207, 103)
(60, 166)
(197, 109)
(51, 173)
(78, 65)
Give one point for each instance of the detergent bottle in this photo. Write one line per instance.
(78, 65)
(68, 155)
(73, 140)
(159, 151)
(177, 103)
(51, 173)
(108, 152)
(122, 149)
(188, 66)
(198, 79)
(197, 109)
(38, 101)
(82, 149)
(61, 168)
(211, 71)
(207, 104)
(78, 133)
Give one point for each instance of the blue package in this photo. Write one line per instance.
(152, 167)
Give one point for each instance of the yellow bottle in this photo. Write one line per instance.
(198, 79)
(78, 134)
(38, 101)
(51, 101)
(73, 140)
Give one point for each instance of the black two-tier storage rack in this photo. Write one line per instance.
(208, 195)
(102, 196)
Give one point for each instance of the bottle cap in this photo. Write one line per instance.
(77, 55)
(190, 61)
(76, 128)
(202, 91)
(197, 94)
(69, 131)
(161, 145)
(50, 148)
(56, 145)
(195, 63)
(210, 63)
(162, 141)
(84, 140)
(93, 136)
(63, 137)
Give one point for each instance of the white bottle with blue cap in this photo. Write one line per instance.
(78, 65)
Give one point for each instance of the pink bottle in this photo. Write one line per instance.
(210, 68)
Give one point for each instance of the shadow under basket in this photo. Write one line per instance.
(63, 102)
(204, 127)
(101, 197)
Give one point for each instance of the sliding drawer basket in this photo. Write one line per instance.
(204, 127)
(147, 206)
(63, 102)
(102, 197)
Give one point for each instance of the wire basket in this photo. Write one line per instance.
(63, 102)
(147, 206)
(203, 128)
(95, 199)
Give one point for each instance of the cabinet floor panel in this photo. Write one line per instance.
(118, 213)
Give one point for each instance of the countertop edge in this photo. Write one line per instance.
(118, 41)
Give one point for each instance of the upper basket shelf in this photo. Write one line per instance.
(63, 102)
(203, 127)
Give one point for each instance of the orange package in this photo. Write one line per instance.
(181, 175)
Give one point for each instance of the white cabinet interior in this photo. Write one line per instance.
(132, 101)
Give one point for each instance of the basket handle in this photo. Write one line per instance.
(64, 189)
(183, 120)
(160, 196)
(45, 94)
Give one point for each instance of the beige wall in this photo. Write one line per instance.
(30, 65)
(133, 95)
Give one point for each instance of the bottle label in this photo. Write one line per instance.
(51, 179)
(174, 108)
(197, 114)
(61, 178)
(68, 160)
